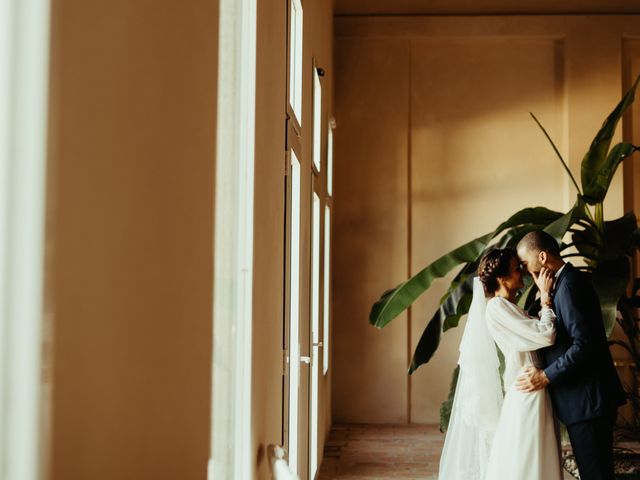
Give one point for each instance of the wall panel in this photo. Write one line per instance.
(372, 81)
(484, 7)
(631, 125)
(131, 163)
(630, 133)
(474, 156)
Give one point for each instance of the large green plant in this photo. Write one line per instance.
(606, 247)
(629, 321)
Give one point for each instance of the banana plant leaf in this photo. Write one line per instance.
(627, 306)
(559, 227)
(618, 236)
(528, 216)
(447, 405)
(395, 301)
(610, 281)
(454, 306)
(598, 165)
(599, 183)
(588, 242)
(456, 302)
(635, 238)
(398, 299)
(528, 293)
(468, 269)
(616, 240)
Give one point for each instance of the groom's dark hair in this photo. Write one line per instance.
(539, 241)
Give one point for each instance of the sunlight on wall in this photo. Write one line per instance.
(437, 148)
(24, 39)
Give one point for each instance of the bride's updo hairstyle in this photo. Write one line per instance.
(495, 264)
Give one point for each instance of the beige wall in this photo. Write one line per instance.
(631, 133)
(436, 147)
(269, 232)
(483, 7)
(371, 234)
(130, 223)
(631, 128)
(131, 168)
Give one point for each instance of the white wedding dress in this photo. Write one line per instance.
(525, 443)
(490, 437)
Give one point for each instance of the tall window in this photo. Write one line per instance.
(294, 313)
(295, 418)
(332, 125)
(326, 317)
(315, 333)
(231, 445)
(327, 286)
(24, 37)
(295, 59)
(317, 120)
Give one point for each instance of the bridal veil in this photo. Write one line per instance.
(477, 400)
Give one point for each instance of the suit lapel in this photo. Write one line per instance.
(563, 273)
(561, 277)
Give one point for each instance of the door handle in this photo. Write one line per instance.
(306, 360)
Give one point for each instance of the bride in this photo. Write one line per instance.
(491, 437)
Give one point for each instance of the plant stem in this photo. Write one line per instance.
(557, 153)
(599, 217)
(598, 229)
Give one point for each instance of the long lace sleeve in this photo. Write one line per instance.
(547, 317)
(510, 325)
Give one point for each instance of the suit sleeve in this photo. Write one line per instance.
(572, 310)
(510, 325)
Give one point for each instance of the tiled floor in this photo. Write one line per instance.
(383, 452)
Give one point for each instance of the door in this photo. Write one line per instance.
(296, 332)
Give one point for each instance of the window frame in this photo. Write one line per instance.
(295, 39)
(231, 435)
(24, 76)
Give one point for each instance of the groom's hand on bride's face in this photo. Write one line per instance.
(531, 379)
(544, 280)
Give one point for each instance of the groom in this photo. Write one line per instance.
(580, 375)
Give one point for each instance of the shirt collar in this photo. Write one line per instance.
(561, 268)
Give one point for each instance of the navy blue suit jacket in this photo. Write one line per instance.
(584, 382)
